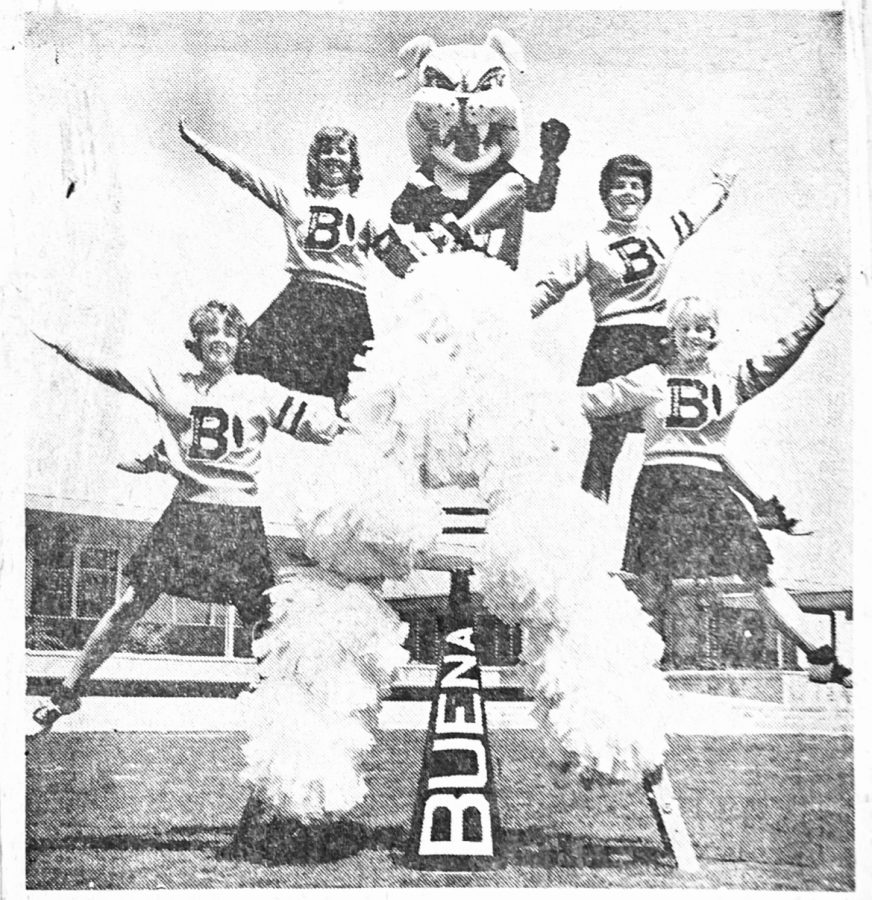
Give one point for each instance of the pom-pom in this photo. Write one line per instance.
(592, 655)
(329, 649)
(452, 395)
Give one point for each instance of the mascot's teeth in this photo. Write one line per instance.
(483, 128)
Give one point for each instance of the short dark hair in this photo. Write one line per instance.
(326, 136)
(203, 314)
(626, 165)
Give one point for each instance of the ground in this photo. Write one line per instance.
(145, 810)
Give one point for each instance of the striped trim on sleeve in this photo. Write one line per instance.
(683, 226)
(295, 421)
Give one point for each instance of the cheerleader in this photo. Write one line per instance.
(624, 265)
(209, 544)
(308, 337)
(685, 521)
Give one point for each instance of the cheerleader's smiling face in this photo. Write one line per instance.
(217, 329)
(693, 327)
(219, 341)
(626, 198)
(694, 338)
(334, 163)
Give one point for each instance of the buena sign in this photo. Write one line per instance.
(456, 824)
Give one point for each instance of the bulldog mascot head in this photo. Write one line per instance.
(464, 127)
(465, 115)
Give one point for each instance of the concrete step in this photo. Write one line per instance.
(690, 713)
(788, 688)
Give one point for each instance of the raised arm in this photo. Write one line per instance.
(138, 380)
(760, 372)
(261, 183)
(99, 369)
(541, 194)
(622, 394)
(693, 214)
(568, 273)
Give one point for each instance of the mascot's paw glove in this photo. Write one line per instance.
(553, 138)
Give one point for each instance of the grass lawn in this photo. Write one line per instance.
(150, 810)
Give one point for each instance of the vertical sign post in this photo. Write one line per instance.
(455, 823)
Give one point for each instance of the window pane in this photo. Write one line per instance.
(103, 558)
(196, 640)
(745, 640)
(54, 554)
(52, 593)
(51, 634)
(96, 593)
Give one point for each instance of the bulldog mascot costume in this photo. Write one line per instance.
(463, 128)
(451, 399)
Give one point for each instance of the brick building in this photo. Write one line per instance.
(76, 551)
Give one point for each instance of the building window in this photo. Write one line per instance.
(74, 583)
(181, 627)
(95, 581)
(78, 582)
(52, 593)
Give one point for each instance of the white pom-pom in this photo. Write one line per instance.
(329, 650)
(453, 395)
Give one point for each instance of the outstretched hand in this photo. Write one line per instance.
(183, 131)
(44, 340)
(553, 138)
(825, 298)
(726, 172)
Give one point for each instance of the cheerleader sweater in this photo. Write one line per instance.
(687, 416)
(327, 233)
(214, 431)
(626, 263)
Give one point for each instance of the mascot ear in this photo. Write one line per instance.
(507, 47)
(412, 53)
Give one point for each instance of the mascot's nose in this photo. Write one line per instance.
(466, 139)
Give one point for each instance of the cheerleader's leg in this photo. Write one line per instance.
(501, 207)
(823, 665)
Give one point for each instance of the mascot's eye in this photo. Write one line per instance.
(493, 78)
(434, 78)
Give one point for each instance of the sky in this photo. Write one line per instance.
(149, 229)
